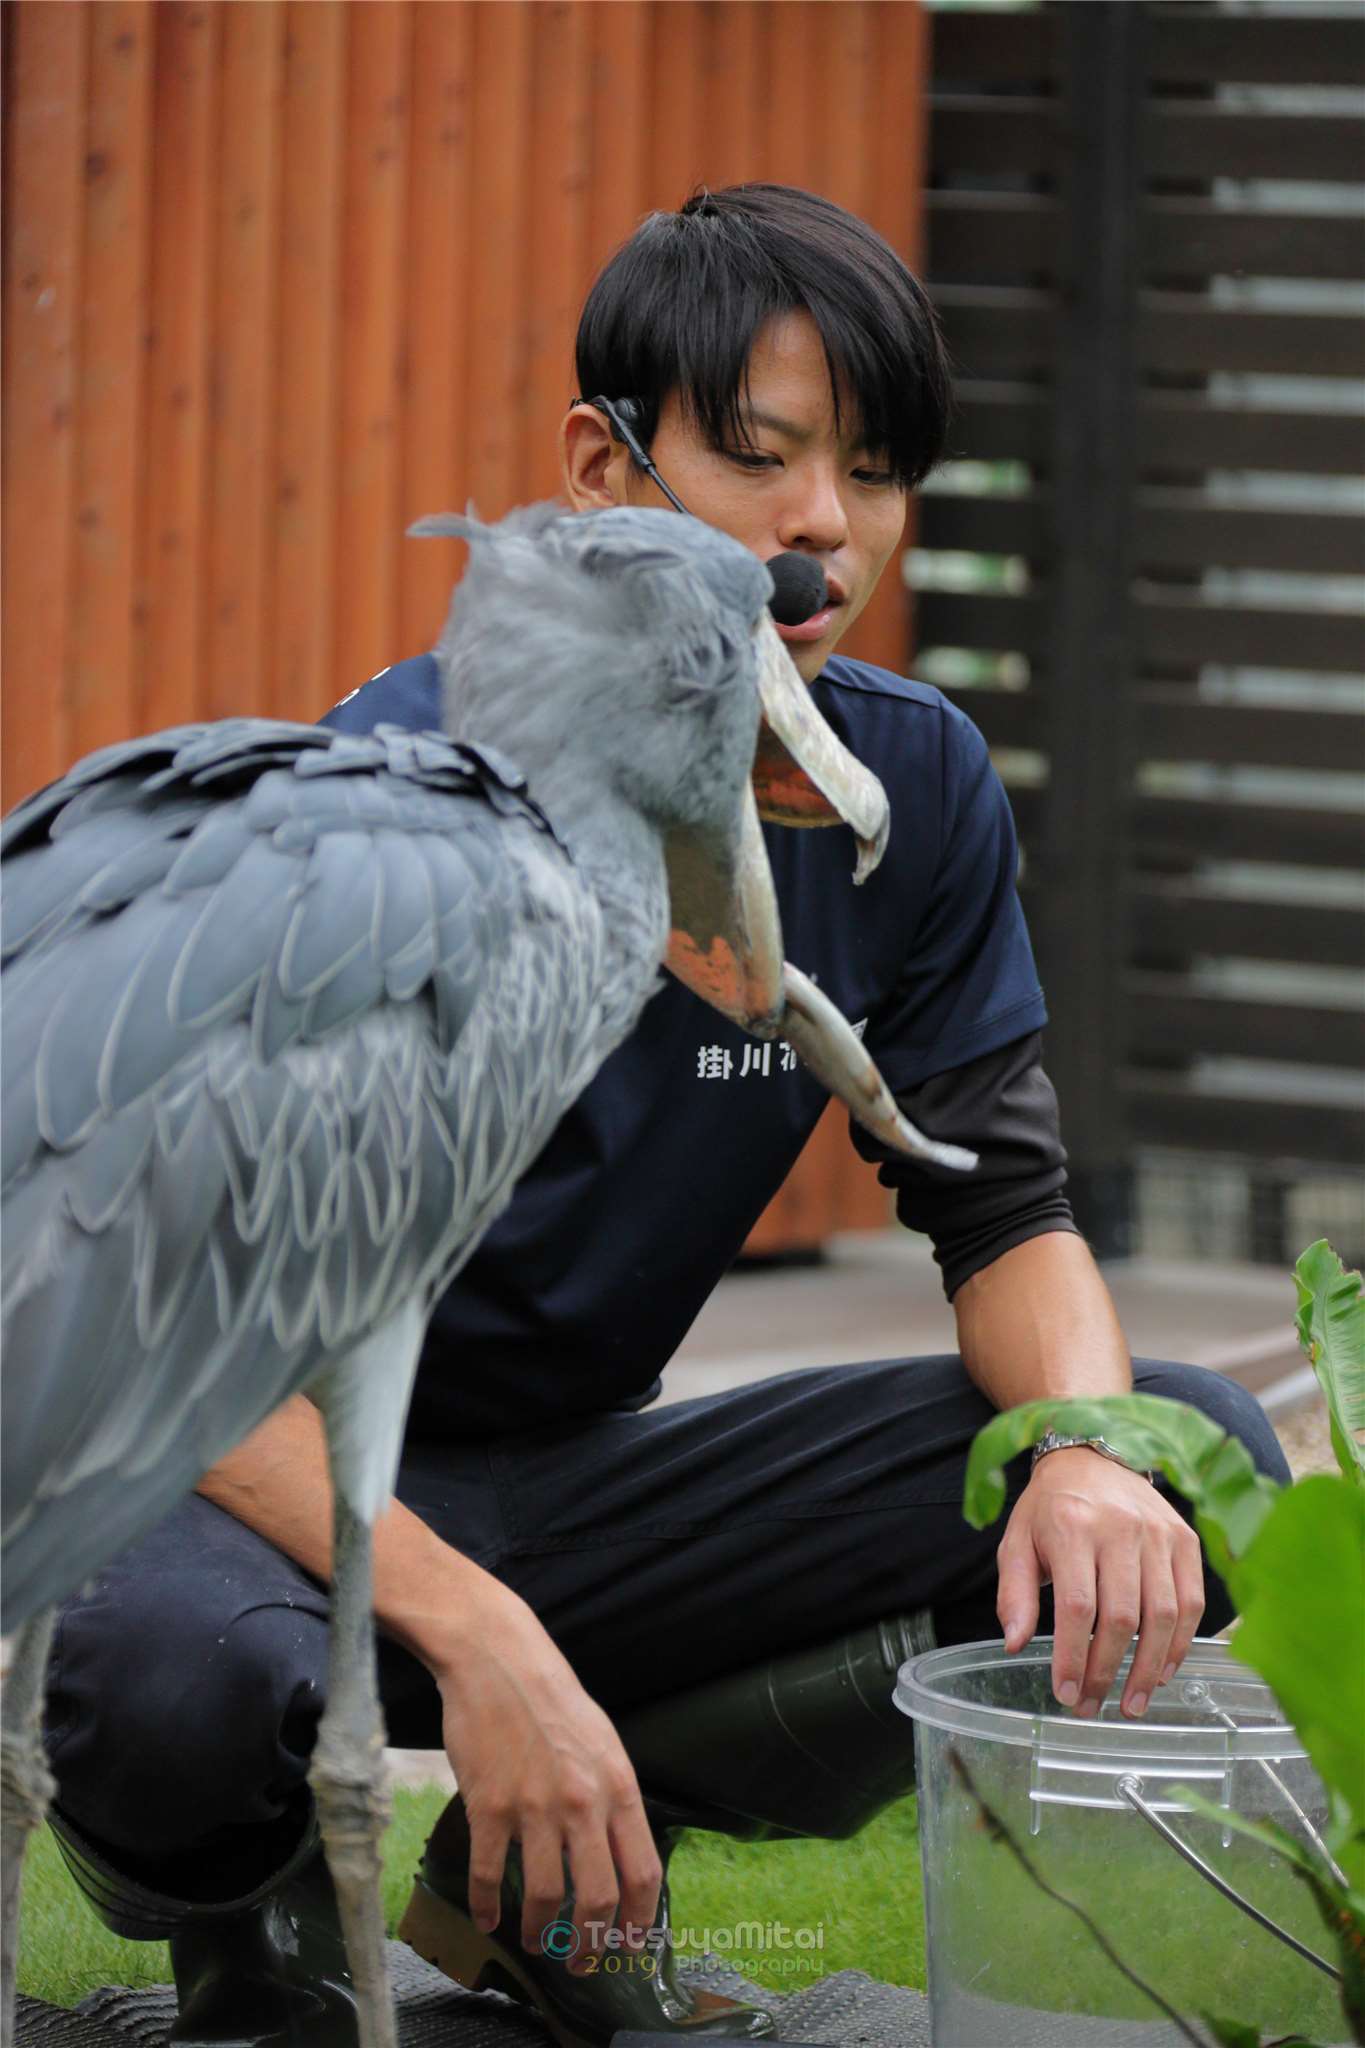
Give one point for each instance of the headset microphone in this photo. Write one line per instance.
(799, 587)
(624, 415)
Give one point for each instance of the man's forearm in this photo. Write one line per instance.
(1039, 1322)
(277, 1482)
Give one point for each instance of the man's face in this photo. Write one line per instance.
(799, 485)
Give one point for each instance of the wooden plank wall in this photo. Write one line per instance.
(279, 278)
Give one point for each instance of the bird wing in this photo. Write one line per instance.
(255, 1088)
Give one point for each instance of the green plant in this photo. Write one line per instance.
(1293, 1559)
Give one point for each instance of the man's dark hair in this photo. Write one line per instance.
(679, 307)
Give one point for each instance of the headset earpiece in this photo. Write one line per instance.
(625, 416)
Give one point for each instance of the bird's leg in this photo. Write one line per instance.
(26, 1786)
(363, 1397)
(347, 1774)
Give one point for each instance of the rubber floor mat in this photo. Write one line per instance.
(844, 2010)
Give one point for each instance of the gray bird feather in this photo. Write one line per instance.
(287, 1012)
(229, 1150)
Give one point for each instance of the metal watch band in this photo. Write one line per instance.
(1053, 1442)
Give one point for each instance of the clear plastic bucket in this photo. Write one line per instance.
(1010, 1967)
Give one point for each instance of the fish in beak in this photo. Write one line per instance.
(726, 941)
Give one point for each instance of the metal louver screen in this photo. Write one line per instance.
(1143, 574)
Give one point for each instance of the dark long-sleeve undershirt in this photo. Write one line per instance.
(1003, 1106)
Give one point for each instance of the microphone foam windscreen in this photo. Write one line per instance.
(799, 588)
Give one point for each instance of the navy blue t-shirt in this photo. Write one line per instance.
(586, 1285)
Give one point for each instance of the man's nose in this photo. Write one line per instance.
(813, 514)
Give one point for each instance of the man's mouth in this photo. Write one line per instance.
(813, 628)
(816, 627)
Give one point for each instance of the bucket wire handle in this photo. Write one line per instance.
(1198, 1695)
(1129, 1789)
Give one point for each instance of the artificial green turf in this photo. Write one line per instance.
(861, 1898)
(65, 1952)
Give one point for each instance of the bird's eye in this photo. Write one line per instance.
(610, 559)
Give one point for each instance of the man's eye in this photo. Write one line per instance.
(748, 458)
(874, 476)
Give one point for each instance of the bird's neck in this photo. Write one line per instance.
(617, 852)
(619, 856)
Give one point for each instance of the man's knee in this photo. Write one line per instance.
(1223, 1401)
(178, 1704)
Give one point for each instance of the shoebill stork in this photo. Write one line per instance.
(286, 1013)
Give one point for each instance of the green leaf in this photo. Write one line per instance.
(1231, 2033)
(1345, 1837)
(1212, 1469)
(1331, 1326)
(1345, 1920)
(1301, 1591)
(1238, 2034)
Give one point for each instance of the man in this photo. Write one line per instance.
(610, 1613)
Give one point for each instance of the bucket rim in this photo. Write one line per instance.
(918, 1695)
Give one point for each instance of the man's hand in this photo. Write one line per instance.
(1038, 1324)
(1119, 1560)
(539, 1762)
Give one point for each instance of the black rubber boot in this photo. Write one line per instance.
(807, 1744)
(267, 1968)
(811, 1743)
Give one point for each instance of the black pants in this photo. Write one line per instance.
(658, 1549)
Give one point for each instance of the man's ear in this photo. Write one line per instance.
(592, 463)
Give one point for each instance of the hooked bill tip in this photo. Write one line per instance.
(955, 1156)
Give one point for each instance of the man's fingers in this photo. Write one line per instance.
(641, 1872)
(595, 1891)
(1016, 1600)
(1073, 1617)
(1172, 1605)
(1122, 1564)
(542, 1867)
(488, 1839)
(1188, 1568)
(1118, 1616)
(1160, 1613)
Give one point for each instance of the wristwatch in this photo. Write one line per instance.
(1052, 1442)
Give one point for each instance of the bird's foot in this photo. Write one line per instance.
(353, 1806)
(26, 1790)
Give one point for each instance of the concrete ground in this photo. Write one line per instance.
(879, 1295)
